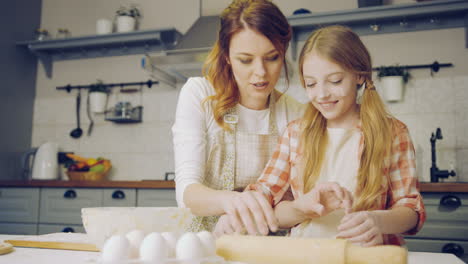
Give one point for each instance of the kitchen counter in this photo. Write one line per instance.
(47, 256)
(444, 187)
(149, 184)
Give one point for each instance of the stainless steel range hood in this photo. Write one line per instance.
(186, 58)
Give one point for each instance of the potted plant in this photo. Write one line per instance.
(127, 18)
(393, 79)
(98, 97)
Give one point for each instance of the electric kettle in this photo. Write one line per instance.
(45, 162)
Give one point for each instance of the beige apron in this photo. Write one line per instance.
(252, 152)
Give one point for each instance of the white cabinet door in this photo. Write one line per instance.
(51, 228)
(18, 229)
(119, 197)
(63, 205)
(156, 198)
(19, 205)
(455, 247)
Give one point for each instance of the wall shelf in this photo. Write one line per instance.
(114, 44)
(386, 19)
(436, 14)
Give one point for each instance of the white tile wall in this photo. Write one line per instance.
(437, 102)
(144, 150)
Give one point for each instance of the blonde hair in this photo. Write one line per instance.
(342, 46)
(259, 15)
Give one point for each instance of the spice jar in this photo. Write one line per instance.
(42, 34)
(63, 33)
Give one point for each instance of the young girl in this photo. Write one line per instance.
(349, 163)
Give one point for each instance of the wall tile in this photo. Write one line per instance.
(42, 134)
(460, 84)
(461, 128)
(160, 105)
(121, 138)
(462, 164)
(435, 95)
(407, 104)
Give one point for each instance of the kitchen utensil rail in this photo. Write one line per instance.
(69, 87)
(435, 66)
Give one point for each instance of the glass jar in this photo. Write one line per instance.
(42, 34)
(63, 33)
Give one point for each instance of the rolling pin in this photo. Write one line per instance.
(290, 250)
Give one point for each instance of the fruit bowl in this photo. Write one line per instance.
(101, 223)
(90, 175)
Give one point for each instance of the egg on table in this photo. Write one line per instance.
(171, 241)
(208, 242)
(135, 237)
(116, 248)
(153, 248)
(189, 247)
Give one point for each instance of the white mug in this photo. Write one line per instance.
(103, 26)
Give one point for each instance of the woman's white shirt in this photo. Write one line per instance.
(194, 124)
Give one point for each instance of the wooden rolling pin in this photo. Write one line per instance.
(281, 250)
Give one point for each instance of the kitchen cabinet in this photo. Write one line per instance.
(42, 210)
(160, 198)
(446, 226)
(19, 210)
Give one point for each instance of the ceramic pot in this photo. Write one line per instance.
(97, 102)
(125, 23)
(392, 88)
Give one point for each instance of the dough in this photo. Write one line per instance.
(280, 250)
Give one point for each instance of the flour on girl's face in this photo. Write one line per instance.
(332, 90)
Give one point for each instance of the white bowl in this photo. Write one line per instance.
(101, 223)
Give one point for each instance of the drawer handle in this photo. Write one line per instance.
(118, 195)
(450, 201)
(453, 248)
(70, 194)
(68, 230)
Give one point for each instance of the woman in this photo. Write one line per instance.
(349, 163)
(228, 122)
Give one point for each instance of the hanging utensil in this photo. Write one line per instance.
(88, 112)
(77, 132)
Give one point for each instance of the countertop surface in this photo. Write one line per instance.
(147, 184)
(150, 184)
(47, 256)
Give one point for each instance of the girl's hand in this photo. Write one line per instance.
(250, 209)
(323, 199)
(223, 227)
(362, 228)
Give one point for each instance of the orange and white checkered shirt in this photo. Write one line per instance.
(400, 187)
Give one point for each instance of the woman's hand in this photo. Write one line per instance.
(361, 228)
(323, 199)
(251, 211)
(223, 227)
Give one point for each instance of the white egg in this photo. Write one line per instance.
(171, 241)
(208, 241)
(153, 248)
(135, 237)
(190, 247)
(116, 248)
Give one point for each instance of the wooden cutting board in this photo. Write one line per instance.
(68, 241)
(53, 245)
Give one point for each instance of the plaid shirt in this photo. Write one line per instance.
(400, 187)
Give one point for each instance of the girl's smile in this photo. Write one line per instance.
(332, 90)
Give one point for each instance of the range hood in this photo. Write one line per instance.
(186, 58)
